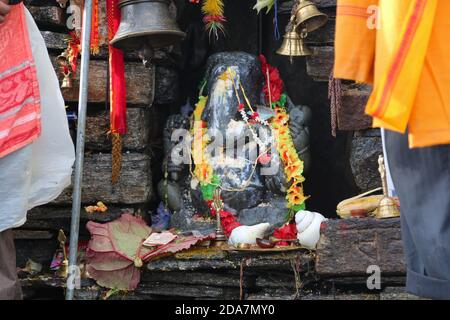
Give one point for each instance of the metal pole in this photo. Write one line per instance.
(82, 105)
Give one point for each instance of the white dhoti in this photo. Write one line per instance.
(38, 173)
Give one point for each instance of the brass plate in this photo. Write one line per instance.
(258, 249)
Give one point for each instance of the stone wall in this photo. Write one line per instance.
(365, 144)
(148, 91)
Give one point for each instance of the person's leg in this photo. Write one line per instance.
(9, 283)
(422, 180)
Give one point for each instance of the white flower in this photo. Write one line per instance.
(261, 4)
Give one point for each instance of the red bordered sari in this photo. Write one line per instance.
(19, 88)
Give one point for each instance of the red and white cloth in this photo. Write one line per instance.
(36, 150)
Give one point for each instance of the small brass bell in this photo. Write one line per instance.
(387, 207)
(146, 25)
(308, 16)
(305, 18)
(293, 46)
(64, 268)
(67, 82)
(63, 59)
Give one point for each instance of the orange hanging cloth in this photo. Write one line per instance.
(405, 56)
(19, 88)
(95, 37)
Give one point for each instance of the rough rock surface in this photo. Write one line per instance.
(365, 149)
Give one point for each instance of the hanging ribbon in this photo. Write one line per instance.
(117, 90)
(275, 22)
(95, 39)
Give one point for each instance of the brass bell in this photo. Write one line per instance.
(64, 268)
(293, 45)
(146, 25)
(387, 207)
(67, 82)
(308, 16)
(63, 59)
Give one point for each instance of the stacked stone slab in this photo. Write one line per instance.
(37, 238)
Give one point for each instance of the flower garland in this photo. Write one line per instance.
(293, 166)
(203, 171)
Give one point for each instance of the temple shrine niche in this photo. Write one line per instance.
(218, 83)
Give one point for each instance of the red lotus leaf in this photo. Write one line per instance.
(112, 250)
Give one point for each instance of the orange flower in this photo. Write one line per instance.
(295, 199)
(292, 172)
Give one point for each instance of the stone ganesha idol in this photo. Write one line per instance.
(246, 138)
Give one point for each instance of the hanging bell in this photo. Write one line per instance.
(146, 25)
(387, 207)
(293, 45)
(67, 82)
(63, 59)
(308, 16)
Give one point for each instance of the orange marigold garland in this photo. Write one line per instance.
(293, 165)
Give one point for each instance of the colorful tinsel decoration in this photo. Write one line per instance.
(214, 18)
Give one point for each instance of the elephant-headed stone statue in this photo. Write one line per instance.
(253, 190)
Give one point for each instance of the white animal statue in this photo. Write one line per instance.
(308, 228)
(248, 234)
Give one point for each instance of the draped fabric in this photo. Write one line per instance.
(38, 172)
(117, 73)
(404, 54)
(19, 87)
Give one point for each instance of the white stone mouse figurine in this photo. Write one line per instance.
(248, 234)
(308, 228)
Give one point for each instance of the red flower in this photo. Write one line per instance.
(255, 115)
(241, 107)
(288, 231)
(276, 83)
